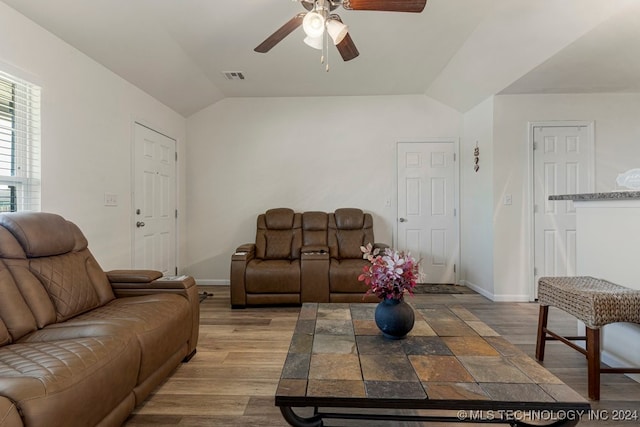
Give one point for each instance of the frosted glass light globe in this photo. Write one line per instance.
(313, 24)
(337, 30)
(314, 42)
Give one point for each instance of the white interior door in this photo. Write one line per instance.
(427, 223)
(562, 165)
(154, 201)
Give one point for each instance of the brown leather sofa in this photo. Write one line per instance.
(78, 346)
(303, 257)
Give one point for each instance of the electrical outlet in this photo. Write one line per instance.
(387, 203)
(508, 200)
(110, 199)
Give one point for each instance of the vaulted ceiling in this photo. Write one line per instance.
(456, 51)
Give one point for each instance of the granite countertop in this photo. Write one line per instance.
(614, 195)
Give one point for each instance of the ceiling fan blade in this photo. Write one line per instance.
(415, 6)
(347, 48)
(280, 33)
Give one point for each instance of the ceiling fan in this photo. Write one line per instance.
(318, 22)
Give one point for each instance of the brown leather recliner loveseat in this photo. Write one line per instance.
(303, 257)
(78, 346)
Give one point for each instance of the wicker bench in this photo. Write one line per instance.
(595, 302)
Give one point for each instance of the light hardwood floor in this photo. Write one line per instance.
(233, 377)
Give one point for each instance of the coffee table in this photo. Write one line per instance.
(451, 367)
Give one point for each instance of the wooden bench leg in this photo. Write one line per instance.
(593, 363)
(542, 334)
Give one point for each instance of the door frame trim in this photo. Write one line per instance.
(132, 220)
(456, 189)
(530, 217)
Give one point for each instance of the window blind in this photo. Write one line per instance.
(19, 145)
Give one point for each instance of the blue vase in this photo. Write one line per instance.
(394, 318)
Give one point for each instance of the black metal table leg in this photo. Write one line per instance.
(297, 421)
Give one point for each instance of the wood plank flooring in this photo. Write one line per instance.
(233, 377)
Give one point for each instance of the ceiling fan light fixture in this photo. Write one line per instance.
(314, 42)
(337, 30)
(313, 24)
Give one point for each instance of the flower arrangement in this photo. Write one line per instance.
(391, 273)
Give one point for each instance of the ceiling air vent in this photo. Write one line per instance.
(233, 75)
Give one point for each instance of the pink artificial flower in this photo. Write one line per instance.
(391, 274)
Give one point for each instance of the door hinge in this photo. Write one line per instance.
(535, 271)
(176, 213)
(535, 208)
(454, 268)
(454, 157)
(535, 145)
(176, 271)
(176, 156)
(455, 212)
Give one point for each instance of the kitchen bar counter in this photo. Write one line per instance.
(607, 232)
(614, 195)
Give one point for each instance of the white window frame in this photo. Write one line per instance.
(21, 169)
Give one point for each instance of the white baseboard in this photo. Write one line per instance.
(494, 297)
(615, 362)
(511, 298)
(478, 289)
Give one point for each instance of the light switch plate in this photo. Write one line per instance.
(110, 199)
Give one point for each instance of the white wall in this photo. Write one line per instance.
(247, 155)
(617, 142)
(476, 200)
(87, 122)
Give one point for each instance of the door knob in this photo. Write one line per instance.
(139, 224)
(403, 220)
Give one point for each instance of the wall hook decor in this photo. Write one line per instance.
(476, 158)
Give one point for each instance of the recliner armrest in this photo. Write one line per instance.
(239, 260)
(184, 286)
(244, 252)
(314, 274)
(9, 415)
(163, 283)
(314, 252)
(381, 246)
(133, 276)
(143, 282)
(315, 249)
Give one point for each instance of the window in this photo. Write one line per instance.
(19, 145)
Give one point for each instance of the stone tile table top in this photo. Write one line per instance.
(450, 361)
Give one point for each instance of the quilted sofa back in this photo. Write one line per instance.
(349, 228)
(314, 228)
(278, 234)
(47, 274)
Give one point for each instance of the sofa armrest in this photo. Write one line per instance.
(184, 286)
(381, 246)
(163, 283)
(181, 285)
(314, 249)
(239, 260)
(133, 276)
(314, 274)
(9, 415)
(244, 252)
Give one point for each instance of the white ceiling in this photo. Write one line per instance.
(456, 51)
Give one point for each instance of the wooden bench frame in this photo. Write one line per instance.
(592, 350)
